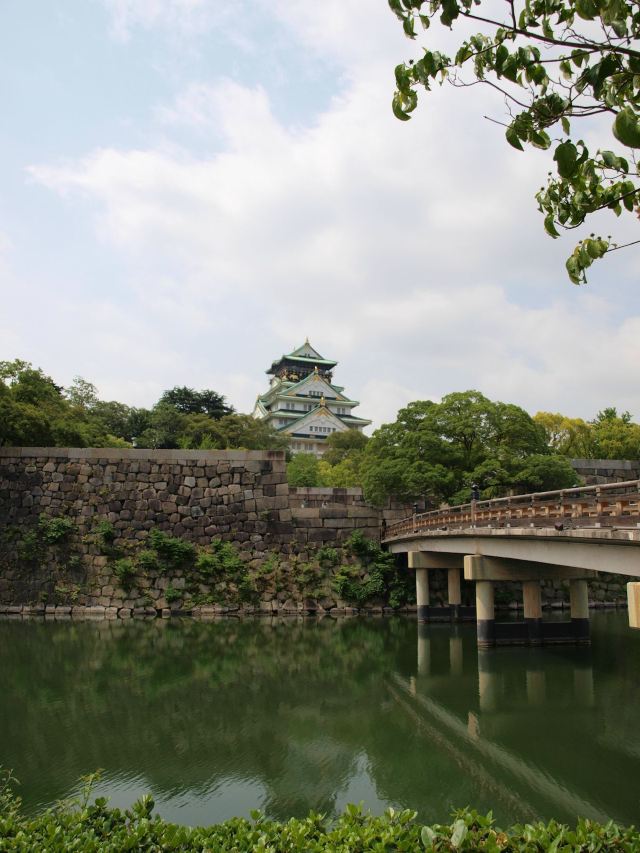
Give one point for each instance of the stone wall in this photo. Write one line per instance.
(594, 472)
(240, 498)
(237, 497)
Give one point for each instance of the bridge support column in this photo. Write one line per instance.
(485, 613)
(454, 594)
(633, 600)
(532, 600)
(579, 597)
(422, 594)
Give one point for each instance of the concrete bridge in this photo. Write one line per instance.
(568, 534)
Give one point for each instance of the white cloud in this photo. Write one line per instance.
(412, 253)
(188, 16)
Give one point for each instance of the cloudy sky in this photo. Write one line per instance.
(192, 187)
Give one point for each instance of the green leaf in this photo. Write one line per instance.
(409, 27)
(566, 156)
(550, 227)
(626, 128)
(566, 126)
(398, 111)
(586, 9)
(501, 55)
(596, 248)
(540, 139)
(450, 12)
(512, 138)
(574, 270)
(460, 831)
(427, 836)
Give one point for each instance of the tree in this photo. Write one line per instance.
(553, 62)
(234, 431)
(303, 470)
(342, 445)
(544, 473)
(615, 436)
(165, 427)
(189, 402)
(437, 450)
(82, 393)
(570, 437)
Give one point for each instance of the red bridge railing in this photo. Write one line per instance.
(607, 505)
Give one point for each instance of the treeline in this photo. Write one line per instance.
(432, 451)
(437, 451)
(36, 412)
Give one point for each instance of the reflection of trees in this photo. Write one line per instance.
(297, 708)
(185, 704)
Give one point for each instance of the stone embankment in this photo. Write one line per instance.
(77, 528)
(112, 501)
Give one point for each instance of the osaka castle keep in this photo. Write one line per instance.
(302, 401)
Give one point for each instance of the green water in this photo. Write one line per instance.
(216, 719)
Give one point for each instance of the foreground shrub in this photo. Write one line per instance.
(81, 825)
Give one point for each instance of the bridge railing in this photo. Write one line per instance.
(607, 505)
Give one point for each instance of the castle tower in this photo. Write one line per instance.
(303, 403)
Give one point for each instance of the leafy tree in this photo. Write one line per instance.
(544, 473)
(615, 436)
(249, 433)
(165, 427)
(342, 460)
(553, 62)
(410, 458)
(189, 402)
(436, 450)
(231, 431)
(341, 445)
(570, 437)
(114, 418)
(82, 393)
(22, 424)
(34, 387)
(344, 474)
(304, 470)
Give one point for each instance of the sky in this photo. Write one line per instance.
(190, 188)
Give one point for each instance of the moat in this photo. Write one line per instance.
(218, 718)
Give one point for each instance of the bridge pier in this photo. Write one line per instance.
(423, 562)
(454, 593)
(579, 599)
(486, 571)
(422, 594)
(532, 600)
(633, 600)
(485, 614)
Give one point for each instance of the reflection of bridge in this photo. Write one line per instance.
(566, 534)
(480, 725)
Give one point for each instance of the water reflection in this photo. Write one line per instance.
(216, 719)
(537, 731)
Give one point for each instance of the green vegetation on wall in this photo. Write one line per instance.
(359, 573)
